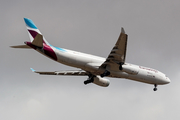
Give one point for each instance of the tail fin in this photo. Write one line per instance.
(33, 31)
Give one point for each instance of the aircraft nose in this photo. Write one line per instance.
(164, 80)
(167, 80)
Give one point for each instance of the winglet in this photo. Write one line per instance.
(33, 70)
(122, 30)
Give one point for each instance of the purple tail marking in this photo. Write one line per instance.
(33, 34)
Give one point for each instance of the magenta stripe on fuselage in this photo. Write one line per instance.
(46, 50)
(49, 51)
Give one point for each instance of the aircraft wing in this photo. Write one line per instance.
(118, 53)
(73, 72)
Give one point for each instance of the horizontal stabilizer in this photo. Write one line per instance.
(20, 46)
(38, 41)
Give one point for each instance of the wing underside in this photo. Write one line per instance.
(72, 72)
(118, 53)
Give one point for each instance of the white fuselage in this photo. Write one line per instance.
(92, 63)
(93, 66)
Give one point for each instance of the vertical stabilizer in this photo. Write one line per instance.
(33, 31)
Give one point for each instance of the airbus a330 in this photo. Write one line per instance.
(96, 68)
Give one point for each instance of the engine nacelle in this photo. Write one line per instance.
(101, 81)
(130, 69)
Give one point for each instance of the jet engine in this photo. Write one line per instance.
(130, 69)
(101, 81)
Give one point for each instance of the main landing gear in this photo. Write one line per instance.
(120, 66)
(155, 87)
(106, 73)
(89, 80)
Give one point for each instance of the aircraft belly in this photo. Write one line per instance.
(93, 68)
(119, 74)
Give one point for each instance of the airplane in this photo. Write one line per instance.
(96, 68)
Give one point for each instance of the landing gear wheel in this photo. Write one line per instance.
(155, 87)
(102, 75)
(120, 66)
(106, 73)
(86, 82)
(90, 80)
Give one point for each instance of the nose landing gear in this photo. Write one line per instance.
(155, 87)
